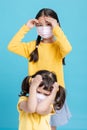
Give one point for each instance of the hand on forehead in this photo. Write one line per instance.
(43, 20)
(37, 78)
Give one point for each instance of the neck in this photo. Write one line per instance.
(49, 40)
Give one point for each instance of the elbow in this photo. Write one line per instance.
(67, 51)
(9, 47)
(70, 48)
(31, 110)
(42, 111)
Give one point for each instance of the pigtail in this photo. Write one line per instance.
(63, 61)
(60, 98)
(25, 86)
(34, 55)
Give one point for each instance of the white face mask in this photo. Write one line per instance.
(44, 31)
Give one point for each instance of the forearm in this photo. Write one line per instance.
(45, 106)
(62, 41)
(32, 101)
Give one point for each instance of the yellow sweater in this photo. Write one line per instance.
(50, 54)
(33, 121)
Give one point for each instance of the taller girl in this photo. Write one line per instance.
(46, 52)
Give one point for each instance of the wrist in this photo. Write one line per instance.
(32, 89)
(55, 24)
(27, 25)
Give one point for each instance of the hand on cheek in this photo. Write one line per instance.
(43, 91)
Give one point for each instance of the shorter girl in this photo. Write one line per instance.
(39, 97)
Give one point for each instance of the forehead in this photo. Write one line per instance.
(42, 19)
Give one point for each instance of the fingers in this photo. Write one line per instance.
(31, 23)
(34, 21)
(52, 21)
(37, 78)
(56, 86)
(41, 90)
(35, 82)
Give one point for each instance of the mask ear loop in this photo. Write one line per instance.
(37, 46)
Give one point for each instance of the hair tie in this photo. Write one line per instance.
(30, 79)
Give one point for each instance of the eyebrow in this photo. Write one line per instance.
(38, 23)
(42, 23)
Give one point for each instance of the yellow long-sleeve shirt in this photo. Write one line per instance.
(50, 54)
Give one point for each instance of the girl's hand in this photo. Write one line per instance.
(31, 23)
(52, 21)
(35, 82)
(43, 91)
(55, 87)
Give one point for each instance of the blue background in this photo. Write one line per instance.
(13, 68)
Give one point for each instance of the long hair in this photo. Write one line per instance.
(46, 12)
(48, 79)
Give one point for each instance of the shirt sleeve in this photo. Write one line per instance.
(21, 99)
(17, 46)
(62, 41)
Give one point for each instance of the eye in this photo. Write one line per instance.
(38, 25)
(48, 24)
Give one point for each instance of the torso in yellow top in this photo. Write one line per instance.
(50, 54)
(32, 121)
(49, 59)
